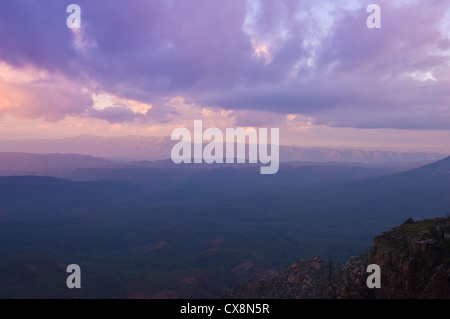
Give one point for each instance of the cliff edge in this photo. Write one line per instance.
(414, 260)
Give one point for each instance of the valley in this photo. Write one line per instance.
(151, 231)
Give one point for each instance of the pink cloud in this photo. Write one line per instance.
(203, 50)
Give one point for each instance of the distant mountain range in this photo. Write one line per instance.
(87, 168)
(31, 163)
(159, 148)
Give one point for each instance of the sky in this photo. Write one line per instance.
(314, 69)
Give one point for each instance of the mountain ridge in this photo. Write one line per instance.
(134, 147)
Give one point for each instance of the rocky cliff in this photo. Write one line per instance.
(414, 259)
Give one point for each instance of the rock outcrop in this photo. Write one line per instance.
(414, 259)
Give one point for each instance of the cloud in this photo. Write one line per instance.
(32, 93)
(313, 58)
(394, 77)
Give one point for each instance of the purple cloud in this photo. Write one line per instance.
(275, 56)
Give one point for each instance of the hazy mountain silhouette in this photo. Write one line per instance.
(159, 148)
(25, 162)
